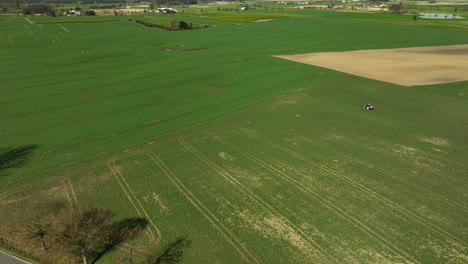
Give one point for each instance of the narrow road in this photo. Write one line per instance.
(6, 258)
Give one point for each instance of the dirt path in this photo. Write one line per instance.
(406, 66)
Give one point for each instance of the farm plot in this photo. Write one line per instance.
(407, 66)
(56, 188)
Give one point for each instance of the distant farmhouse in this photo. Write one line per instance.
(201, 2)
(165, 10)
(72, 13)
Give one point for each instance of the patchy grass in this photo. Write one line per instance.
(88, 20)
(233, 17)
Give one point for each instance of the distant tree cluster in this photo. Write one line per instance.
(174, 25)
(4, 8)
(396, 8)
(33, 9)
(148, 24)
(103, 6)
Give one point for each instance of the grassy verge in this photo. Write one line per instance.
(18, 254)
(232, 17)
(76, 21)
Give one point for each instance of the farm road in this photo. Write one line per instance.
(6, 258)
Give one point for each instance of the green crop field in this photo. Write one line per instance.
(253, 158)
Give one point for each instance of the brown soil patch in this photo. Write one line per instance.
(406, 66)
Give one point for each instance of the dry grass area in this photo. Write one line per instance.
(121, 12)
(405, 66)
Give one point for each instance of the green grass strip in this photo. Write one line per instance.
(77, 21)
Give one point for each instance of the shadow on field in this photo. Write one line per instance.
(119, 232)
(15, 157)
(172, 253)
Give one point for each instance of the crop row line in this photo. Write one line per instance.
(360, 186)
(330, 205)
(140, 210)
(207, 214)
(10, 41)
(322, 252)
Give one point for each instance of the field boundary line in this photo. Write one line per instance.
(66, 183)
(100, 158)
(206, 212)
(67, 193)
(64, 28)
(265, 206)
(51, 38)
(392, 175)
(117, 174)
(305, 139)
(443, 175)
(151, 237)
(34, 35)
(29, 21)
(10, 41)
(57, 178)
(383, 199)
(330, 205)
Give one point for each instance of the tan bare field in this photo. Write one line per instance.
(404, 66)
(110, 12)
(461, 2)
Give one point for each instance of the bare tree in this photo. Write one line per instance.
(88, 233)
(79, 231)
(38, 220)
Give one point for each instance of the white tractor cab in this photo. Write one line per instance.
(368, 107)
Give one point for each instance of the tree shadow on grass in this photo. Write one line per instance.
(172, 253)
(15, 157)
(118, 232)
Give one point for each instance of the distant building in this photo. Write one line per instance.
(72, 13)
(165, 10)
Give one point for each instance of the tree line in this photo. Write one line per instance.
(174, 25)
(52, 232)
